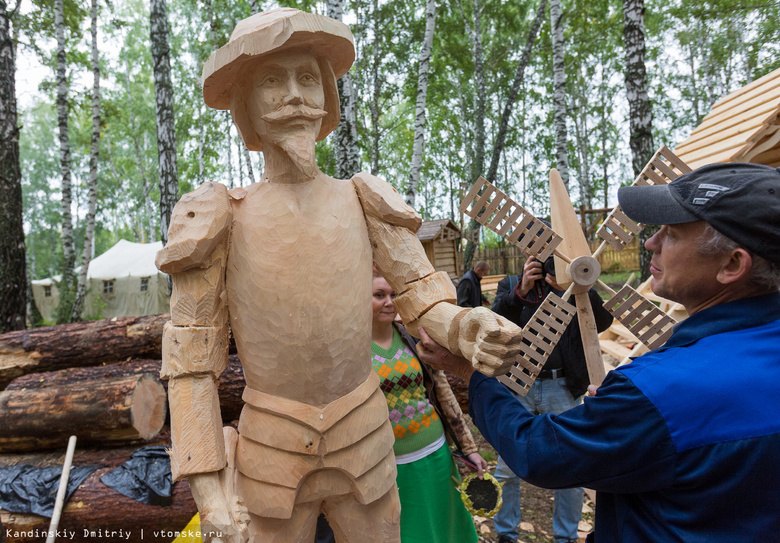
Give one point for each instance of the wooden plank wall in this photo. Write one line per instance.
(509, 260)
(444, 257)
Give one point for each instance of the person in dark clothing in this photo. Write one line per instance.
(470, 288)
(559, 387)
(685, 439)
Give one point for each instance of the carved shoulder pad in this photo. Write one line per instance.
(200, 222)
(381, 200)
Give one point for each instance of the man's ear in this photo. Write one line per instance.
(736, 266)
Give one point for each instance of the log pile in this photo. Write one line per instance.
(101, 382)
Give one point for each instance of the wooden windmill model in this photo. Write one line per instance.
(577, 270)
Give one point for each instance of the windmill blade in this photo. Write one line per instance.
(617, 229)
(644, 319)
(590, 339)
(540, 336)
(564, 222)
(495, 210)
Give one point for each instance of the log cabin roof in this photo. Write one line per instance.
(743, 126)
(430, 230)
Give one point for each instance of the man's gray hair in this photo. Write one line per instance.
(764, 274)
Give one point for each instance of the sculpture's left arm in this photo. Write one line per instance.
(426, 298)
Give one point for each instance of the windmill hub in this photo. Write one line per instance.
(584, 271)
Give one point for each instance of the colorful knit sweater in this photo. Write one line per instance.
(415, 422)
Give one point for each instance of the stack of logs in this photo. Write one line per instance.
(99, 381)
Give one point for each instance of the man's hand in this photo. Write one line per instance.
(440, 358)
(489, 341)
(532, 272)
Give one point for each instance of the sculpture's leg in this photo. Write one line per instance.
(299, 528)
(376, 522)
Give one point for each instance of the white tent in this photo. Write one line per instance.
(122, 282)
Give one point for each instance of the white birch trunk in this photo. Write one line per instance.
(376, 87)
(250, 172)
(422, 93)
(478, 161)
(14, 286)
(81, 290)
(166, 133)
(347, 150)
(66, 287)
(640, 108)
(559, 92)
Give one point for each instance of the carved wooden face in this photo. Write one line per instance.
(286, 98)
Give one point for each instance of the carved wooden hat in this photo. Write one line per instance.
(270, 32)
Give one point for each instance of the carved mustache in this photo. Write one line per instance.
(288, 113)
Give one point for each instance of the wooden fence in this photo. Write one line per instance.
(509, 260)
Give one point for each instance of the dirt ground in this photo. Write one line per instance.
(536, 504)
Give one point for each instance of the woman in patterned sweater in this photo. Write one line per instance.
(422, 408)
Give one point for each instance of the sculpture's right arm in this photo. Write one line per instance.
(195, 341)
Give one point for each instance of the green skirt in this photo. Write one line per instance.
(431, 508)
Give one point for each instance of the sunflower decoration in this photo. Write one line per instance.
(481, 496)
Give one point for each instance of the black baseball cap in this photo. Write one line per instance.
(739, 200)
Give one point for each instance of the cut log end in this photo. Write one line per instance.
(147, 413)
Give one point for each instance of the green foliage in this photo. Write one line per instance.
(697, 52)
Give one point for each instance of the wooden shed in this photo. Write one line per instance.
(743, 126)
(440, 240)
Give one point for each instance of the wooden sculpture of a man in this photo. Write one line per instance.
(289, 260)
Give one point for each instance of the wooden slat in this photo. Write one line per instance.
(527, 233)
(649, 324)
(617, 229)
(540, 336)
(613, 348)
(714, 133)
(752, 86)
(750, 101)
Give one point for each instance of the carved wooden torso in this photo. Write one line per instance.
(299, 289)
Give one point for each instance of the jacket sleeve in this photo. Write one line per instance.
(506, 299)
(464, 294)
(603, 317)
(614, 442)
(453, 413)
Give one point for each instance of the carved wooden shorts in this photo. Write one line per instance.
(291, 452)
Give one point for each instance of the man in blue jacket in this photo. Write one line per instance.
(683, 444)
(558, 387)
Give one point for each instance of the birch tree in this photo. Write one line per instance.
(346, 143)
(66, 286)
(498, 146)
(559, 92)
(376, 88)
(13, 282)
(166, 130)
(478, 157)
(422, 93)
(81, 290)
(640, 108)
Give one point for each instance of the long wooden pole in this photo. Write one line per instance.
(60, 501)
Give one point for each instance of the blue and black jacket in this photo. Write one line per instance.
(683, 444)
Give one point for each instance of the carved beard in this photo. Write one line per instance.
(300, 148)
(297, 143)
